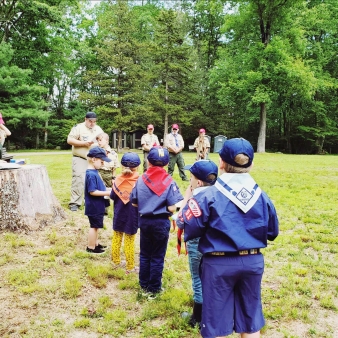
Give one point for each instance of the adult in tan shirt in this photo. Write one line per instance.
(82, 137)
(175, 144)
(148, 141)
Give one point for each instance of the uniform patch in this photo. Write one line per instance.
(244, 196)
(194, 208)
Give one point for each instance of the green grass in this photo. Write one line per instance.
(51, 287)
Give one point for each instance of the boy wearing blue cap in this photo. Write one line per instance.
(125, 221)
(155, 194)
(234, 219)
(203, 175)
(95, 203)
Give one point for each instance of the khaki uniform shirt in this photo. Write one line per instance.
(149, 140)
(201, 145)
(114, 160)
(170, 141)
(82, 133)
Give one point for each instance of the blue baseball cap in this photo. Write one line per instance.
(158, 156)
(130, 160)
(233, 147)
(202, 169)
(98, 152)
(91, 115)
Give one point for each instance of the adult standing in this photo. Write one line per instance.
(81, 138)
(202, 146)
(148, 141)
(4, 132)
(175, 144)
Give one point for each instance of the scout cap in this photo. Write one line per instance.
(150, 126)
(130, 160)
(91, 115)
(174, 126)
(158, 156)
(233, 147)
(202, 169)
(98, 152)
(202, 130)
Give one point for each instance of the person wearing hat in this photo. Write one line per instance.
(94, 192)
(202, 146)
(175, 144)
(125, 221)
(203, 175)
(234, 219)
(148, 141)
(82, 137)
(155, 194)
(4, 132)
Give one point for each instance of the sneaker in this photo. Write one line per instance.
(154, 294)
(100, 246)
(134, 270)
(73, 207)
(96, 250)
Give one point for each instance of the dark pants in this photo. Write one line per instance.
(154, 235)
(177, 158)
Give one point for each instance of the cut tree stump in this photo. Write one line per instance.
(27, 201)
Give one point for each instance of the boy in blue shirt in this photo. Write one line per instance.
(234, 219)
(95, 203)
(155, 194)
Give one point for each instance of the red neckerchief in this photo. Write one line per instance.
(157, 180)
(123, 185)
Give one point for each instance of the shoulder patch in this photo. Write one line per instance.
(194, 209)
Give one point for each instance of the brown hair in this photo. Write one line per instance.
(240, 159)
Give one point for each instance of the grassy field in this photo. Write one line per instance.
(50, 287)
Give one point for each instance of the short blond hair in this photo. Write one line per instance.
(241, 159)
(102, 135)
(126, 171)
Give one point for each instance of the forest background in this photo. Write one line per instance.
(260, 69)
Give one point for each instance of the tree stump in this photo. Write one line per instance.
(27, 201)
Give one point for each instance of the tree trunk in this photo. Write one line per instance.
(27, 201)
(262, 129)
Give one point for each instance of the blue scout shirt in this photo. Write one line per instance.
(223, 226)
(94, 205)
(151, 205)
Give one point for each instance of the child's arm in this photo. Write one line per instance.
(100, 193)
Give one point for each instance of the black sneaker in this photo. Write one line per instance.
(96, 250)
(100, 246)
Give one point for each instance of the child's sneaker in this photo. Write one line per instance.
(96, 250)
(100, 246)
(134, 270)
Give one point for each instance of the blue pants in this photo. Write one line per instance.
(232, 295)
(154, 235)
(194, 264)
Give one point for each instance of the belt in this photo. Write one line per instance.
(80, 157)
(235, 253)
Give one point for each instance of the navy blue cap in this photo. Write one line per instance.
(98, 152)
(158, 156)
(202, 169)
(233, 147)
(91, 115)
(130, 160)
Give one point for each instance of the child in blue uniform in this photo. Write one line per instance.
(234, 219)
(203, 174)
(155, 194)
(95, 190)
(125, 221)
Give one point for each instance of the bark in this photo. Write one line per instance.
(27, 201)
(262, 129)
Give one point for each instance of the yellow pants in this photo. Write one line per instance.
(129, 248)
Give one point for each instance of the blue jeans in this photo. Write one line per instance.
(154, 235)
(194, 264)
